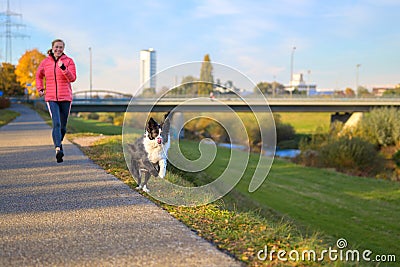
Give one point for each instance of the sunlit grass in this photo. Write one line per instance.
(307, 122)
(241, 233)
(6, 116)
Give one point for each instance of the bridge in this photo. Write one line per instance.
(89, 94)
(336, 105)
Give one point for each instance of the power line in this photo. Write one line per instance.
(9, 32)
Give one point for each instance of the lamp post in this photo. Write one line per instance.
(90, 75)
(291, 65)
(357, 67)
(291, 71)
(274, 87)
(309, 82)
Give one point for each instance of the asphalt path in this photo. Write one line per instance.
(75, 214)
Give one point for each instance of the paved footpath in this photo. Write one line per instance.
(75, 214)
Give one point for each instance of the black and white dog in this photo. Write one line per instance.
(149, 152)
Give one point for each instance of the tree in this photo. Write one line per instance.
(27, 67)
(188, 86)
(148, 92)
(267, 88)
(264, 87)
(392, 92)
(206, 78)
(8, 81)
(363, 92)
(349, 92)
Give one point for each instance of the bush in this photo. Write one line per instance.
(284, 132)
(353, 156)
(93, 116)
(381, 127)
(118, 119)
(396, 158)
(4, 102)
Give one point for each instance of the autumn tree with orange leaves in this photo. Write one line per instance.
(26, 69)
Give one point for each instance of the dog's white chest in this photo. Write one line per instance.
(155, 152)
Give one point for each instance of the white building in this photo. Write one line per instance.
(298, 83)
(148, 68)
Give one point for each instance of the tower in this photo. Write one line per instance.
(9, 33)
(148, 67)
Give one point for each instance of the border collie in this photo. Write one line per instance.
(149, 152)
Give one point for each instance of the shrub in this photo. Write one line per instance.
(284, 132)
(93, 116)
(4, 102)
(118, 119)
(396, 158)
(381, 127)
(353, 156)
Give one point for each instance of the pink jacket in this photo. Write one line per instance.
(58, 81)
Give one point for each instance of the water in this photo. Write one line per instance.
(282, 153)
(287, 153)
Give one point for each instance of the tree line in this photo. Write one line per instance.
(15, 79)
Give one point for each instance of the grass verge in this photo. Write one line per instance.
(6, 116)
(296, 208)
(240, 233)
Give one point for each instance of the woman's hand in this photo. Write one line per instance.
(61, 64)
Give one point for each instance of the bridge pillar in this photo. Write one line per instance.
(349, 120)
(342, 117)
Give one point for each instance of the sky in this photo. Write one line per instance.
(255, 37)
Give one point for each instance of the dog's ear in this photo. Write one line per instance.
(151, 122)
(165, 127)
(166, 118)
(166, 115)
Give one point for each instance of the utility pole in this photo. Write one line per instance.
(274, 87)
(9, 33)
(309, 82)
(357, 67)
(90, 82)
(291, 71)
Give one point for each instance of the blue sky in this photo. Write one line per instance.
(254, 37)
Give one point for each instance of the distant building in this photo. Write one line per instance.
(148, 69)
(298, 83)
(379, 90)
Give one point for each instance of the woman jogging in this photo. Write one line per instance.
(59, 72)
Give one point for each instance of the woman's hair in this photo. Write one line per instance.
(50, 51)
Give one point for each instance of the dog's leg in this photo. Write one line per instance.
(139, 181)
(136, 172)
(146, 179)
(163, 168)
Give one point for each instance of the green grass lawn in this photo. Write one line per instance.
(364, 211)
(307, 122)
(6, 116)
(80, 125)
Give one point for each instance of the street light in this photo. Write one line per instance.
(291, 71)
(90, 75)
(274, 87)
(291, 65)
(309, 82)
(357, 67)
